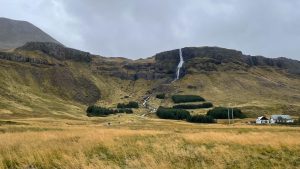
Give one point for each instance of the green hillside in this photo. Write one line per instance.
(45, 79)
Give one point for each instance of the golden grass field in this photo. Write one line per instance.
(135, 142)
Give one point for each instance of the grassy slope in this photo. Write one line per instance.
(257, 92)
(23, 95)
(29, 91)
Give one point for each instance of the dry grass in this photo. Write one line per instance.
(132, 142)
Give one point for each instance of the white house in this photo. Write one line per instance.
(281, 119)
(262, 120)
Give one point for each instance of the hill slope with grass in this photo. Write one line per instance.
(47, 79)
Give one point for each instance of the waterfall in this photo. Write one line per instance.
(179, 65)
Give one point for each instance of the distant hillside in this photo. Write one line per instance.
(47, 79)
(40, 77)
(15, 33)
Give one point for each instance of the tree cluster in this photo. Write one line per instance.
(131, 104)
(180, 114)
(222, 113)
(101, 111)
(201, 119)
(193, 106)
(170, 113)
(186, 98)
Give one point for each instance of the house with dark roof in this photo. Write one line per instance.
(262, 120)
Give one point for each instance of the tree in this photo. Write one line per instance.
(170, 113)
(186, 98)
(131, 104)
(222, 113)
(201, 119)
(193, 106)
(98, 111)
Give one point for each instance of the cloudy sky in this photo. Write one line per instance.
(141, 28)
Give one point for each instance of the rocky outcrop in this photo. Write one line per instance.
(219, 55)
(292, 66)
(57, 51)
(166, 64)
(124, 68)
(207, 59)
(22, 58)
(162, 66)
(140, 70)
(196, 60)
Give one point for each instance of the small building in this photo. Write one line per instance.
(281, 119)
(262, 120)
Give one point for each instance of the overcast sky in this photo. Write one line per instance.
(141, 28)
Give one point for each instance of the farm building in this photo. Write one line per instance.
(281, 119)
(262, 120)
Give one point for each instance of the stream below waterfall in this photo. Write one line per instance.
(179, 66)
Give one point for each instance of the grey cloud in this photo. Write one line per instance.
(134, 28)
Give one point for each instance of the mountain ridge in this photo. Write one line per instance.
(15, 33)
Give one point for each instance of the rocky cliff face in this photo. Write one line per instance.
(292, 66)
(124, 68)
(24, 58)
(57, 51)
(161, 66)
(166, 64)
(207, 59)
(196, 60)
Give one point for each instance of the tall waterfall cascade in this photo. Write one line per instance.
(179, 65)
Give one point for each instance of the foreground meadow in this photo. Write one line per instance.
(134, 142)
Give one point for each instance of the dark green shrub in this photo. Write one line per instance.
(161, 96)
(129, 105)
(170, 113)
(193, 106)
(99, 111)
(186, 98)
(201, 119)
(222, 113)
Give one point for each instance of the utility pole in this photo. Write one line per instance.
(232, 115)
(228, 116)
